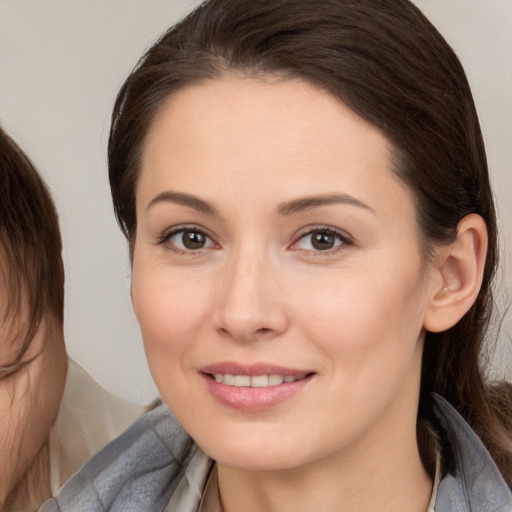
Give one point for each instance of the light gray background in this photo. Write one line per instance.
(61, 64)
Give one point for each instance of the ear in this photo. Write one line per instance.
(460, 266)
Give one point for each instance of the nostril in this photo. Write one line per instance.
(247, 335)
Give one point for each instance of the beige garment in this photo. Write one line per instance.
(189, 493)
(88, 418)
(437, 479)
(211, 500)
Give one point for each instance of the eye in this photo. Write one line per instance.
(322, 239)
(188, 240)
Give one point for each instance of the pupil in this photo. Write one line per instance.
(193, 240)
(323, 241)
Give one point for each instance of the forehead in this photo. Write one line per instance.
(230, 110)
(237, 133)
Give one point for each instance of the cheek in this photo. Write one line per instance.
(29, 400)
(369, 329)
(171, 313)
(366, 319)
(13, 423)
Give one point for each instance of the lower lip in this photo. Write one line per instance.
(254, 399)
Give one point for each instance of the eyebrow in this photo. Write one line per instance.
(286, 208)
(307, 203)
(184, 199)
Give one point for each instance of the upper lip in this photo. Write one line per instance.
(253, 369)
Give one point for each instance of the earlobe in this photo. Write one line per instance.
(460, 265)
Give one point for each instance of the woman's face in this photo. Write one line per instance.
(277, 275)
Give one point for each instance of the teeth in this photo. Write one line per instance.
(228, 379)
(257, 381)
(275, 380)
(242, 381)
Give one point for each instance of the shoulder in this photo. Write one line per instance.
(471, 480)
(138, 470)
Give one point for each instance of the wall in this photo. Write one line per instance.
(61, 64)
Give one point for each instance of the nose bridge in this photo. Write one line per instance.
(250, 304)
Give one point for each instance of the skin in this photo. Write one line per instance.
(259, 292)
(29, 401)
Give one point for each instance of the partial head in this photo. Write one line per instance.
(389, 65)
(32, 353)
(32, 271)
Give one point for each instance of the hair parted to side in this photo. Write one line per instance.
(387, 63)
(31, 267)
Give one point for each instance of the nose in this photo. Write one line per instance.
(250, 303)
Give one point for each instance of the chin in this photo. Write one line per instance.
(259, 462)
(257, 452)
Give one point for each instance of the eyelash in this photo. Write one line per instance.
(341, 237)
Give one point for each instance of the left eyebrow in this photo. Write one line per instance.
(189, 200)
(307, 203)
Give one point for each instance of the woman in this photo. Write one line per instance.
(304, 189)
(53, 416)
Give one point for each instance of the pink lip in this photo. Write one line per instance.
(249, 399)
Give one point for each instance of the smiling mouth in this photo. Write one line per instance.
(256, 381)
(254, 388)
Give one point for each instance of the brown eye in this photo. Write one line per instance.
(323, 241)
(319, 240)
(193, 240)
(189, 240)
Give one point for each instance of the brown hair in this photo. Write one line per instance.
(31, 267)
(388, 63)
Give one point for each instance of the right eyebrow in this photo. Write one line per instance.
(307, 203)
(168, 196)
